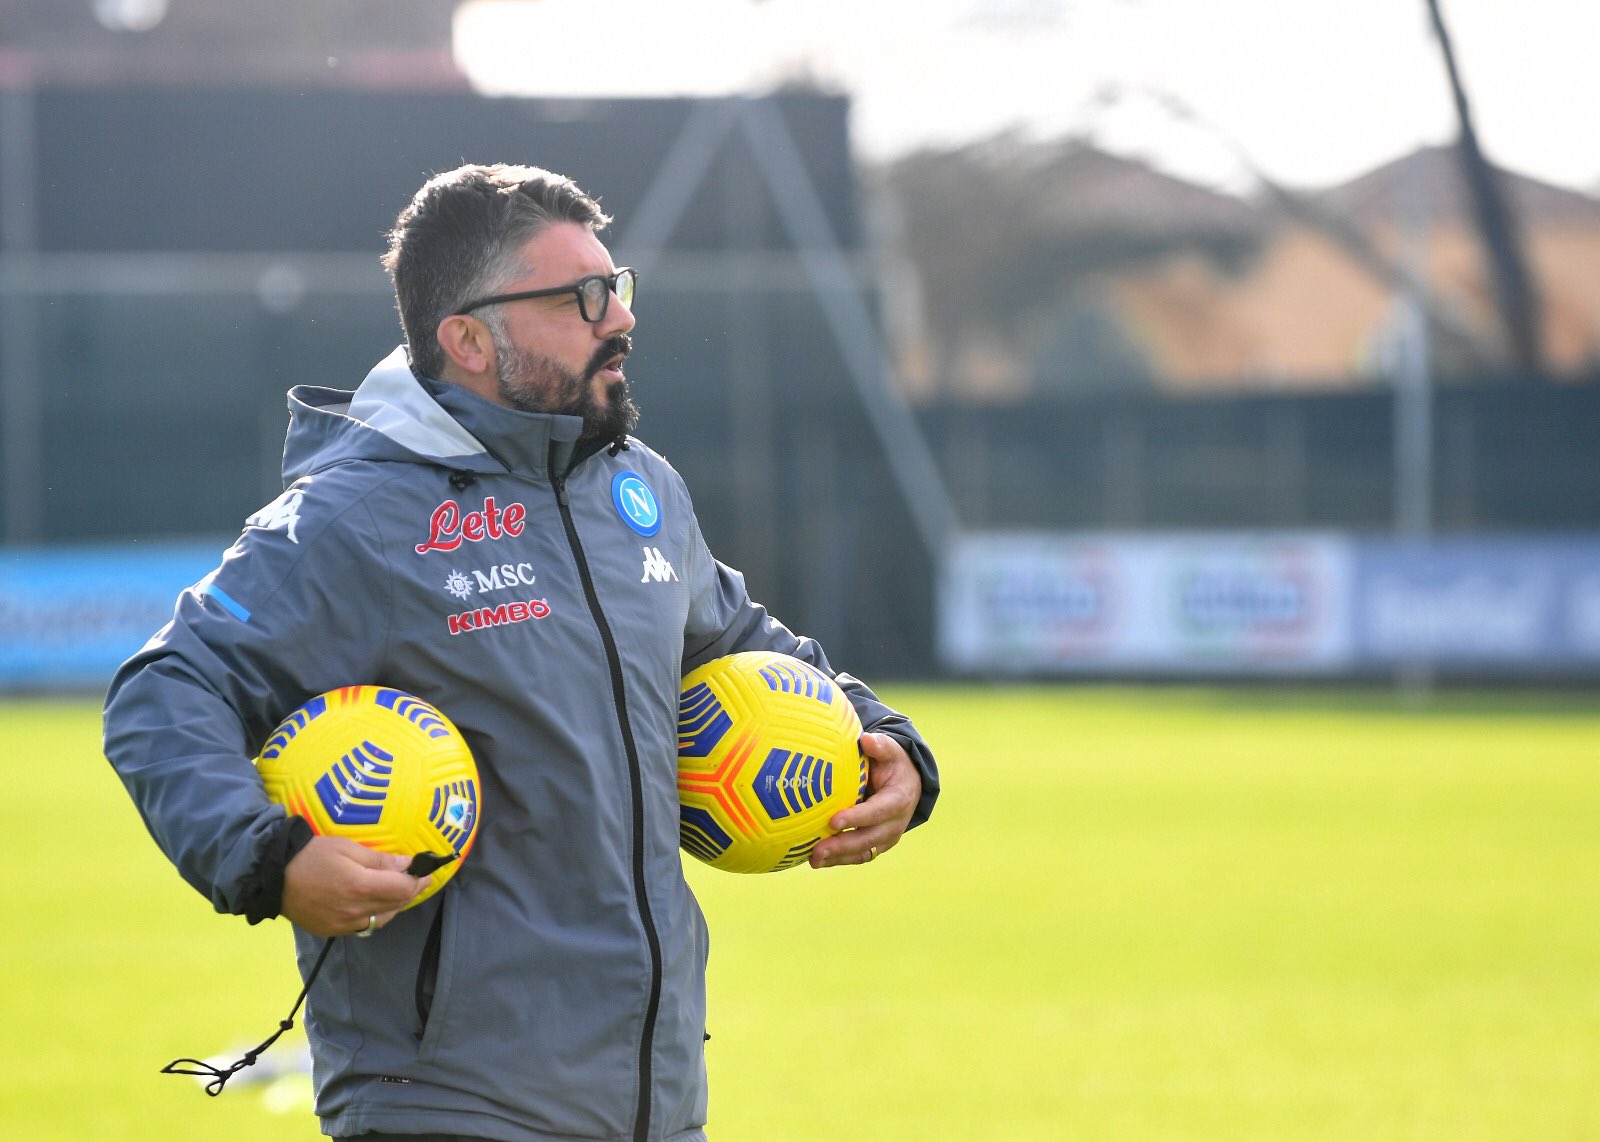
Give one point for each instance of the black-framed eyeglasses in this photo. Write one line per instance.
(593, 293)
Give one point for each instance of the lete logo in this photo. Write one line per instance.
(449, 527)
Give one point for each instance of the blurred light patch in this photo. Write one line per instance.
(562, 48)
(130, 15)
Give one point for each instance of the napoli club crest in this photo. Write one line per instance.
(636, 503)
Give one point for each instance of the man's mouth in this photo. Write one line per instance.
(610, 366)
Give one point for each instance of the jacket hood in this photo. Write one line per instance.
(393, 415)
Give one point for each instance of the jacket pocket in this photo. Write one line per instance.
(428, 971)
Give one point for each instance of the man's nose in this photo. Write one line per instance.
(618, 319)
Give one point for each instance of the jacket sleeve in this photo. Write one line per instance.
(723, 619)
(290, 613)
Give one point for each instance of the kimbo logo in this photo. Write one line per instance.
(482, 618)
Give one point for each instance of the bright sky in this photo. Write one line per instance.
(1311, 91)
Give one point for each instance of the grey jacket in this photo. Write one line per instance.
(548, 597)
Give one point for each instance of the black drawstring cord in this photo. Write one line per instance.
(423, 864)
(219, 1078)
(620, 444)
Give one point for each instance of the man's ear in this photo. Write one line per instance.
(467, 345)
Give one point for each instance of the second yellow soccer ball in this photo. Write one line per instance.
(768, 751)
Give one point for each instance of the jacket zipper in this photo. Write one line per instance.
(641, 1120)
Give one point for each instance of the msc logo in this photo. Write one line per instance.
(504, 615)
(497, 578)
(656, 567)
(636, 503)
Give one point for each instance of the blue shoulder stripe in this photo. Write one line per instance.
(229, 604)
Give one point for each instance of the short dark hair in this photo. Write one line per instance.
(459, 237)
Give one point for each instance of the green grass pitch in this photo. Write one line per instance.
(1137, 914)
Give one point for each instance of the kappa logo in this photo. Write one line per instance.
(483, 618)
(656, 567)
(282, 514)
(449, 527)
(498, 578)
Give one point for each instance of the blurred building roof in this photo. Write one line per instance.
(1081, 187)
(1130, 276)
(1428, 183)
(1311, 311)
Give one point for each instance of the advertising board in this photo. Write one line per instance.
(1034, 603)
(69, 616)
(1480, 602)
(1028, 603)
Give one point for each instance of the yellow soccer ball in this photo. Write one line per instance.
(768, 751)
(381, 767)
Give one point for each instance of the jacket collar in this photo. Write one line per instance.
(395, 415)
(536, 444)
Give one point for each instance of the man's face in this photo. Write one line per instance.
(548, 359)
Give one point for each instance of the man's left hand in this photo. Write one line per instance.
(873, 827)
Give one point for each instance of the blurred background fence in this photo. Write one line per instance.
(1508, 455)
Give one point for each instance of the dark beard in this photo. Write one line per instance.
(531, 383)
(619, 417)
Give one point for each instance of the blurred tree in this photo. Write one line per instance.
(1008, 237)
(1514, 289)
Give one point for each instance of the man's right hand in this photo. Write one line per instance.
(335, 887)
